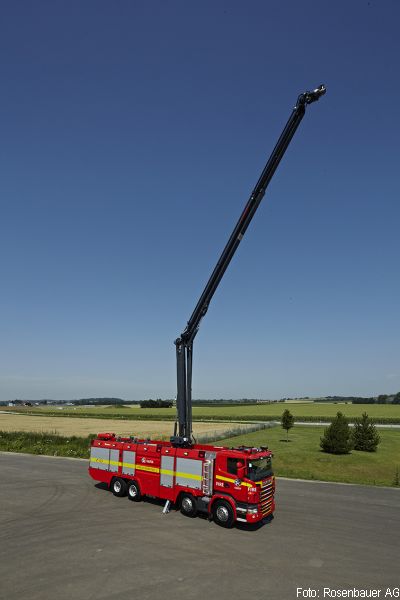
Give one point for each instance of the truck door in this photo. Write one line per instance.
(226, 478)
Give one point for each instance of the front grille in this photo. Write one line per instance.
(266, 496)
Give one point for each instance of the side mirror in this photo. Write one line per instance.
(241, 470)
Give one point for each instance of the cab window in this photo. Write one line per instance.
(232, 465)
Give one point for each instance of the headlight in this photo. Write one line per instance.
(252, 511)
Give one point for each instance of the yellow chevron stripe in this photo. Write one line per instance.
(225, 478)
(230, 480)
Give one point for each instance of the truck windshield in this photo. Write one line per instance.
(259, 468)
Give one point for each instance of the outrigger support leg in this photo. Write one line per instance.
(166, 508)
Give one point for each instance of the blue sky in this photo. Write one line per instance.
(132, 134)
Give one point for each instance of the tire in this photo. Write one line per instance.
(188, 505)
(223, 514)
(134, 492)
(118, 487)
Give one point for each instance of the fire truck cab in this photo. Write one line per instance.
(227, 484)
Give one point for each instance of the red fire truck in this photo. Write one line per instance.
(228, 484)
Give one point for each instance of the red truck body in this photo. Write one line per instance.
(228, 484)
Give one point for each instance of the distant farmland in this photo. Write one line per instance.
(308, 411)
(86, 426)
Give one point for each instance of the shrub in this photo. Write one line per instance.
(337, 437)
(396, 480)
(365, 435)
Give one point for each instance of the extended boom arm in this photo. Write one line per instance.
(184, 344)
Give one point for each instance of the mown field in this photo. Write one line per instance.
(299, 458)
(86, 426)
(384, 413)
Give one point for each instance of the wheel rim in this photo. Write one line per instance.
(187, 504)
(117, 486)
(132, 491)
(222, 514)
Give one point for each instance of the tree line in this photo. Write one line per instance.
(381, 399)
(156, 403)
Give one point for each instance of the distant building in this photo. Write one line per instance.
(19, 403)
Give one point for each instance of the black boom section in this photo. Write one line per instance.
(184, 344)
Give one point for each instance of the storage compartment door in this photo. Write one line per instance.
(189, 472)
(167, 471)
(128, 462)
(114, 461)
(99, 458)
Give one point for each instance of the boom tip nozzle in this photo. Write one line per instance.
(315, 94)
(320, 90)
(309, 97)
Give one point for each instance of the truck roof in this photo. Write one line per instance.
(239, 451)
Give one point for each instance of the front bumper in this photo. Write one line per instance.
(252, 513)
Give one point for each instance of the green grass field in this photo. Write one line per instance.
(308, 411)
(301, 456)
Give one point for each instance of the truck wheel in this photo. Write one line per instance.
(134, 492)
(223, 514)
(118, 487)
(188, 505)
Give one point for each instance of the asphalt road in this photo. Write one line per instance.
(64, 538)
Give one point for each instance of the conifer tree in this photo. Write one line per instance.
(365, 435)
(337, 437)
